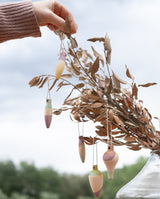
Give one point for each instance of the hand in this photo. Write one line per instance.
(51, 13)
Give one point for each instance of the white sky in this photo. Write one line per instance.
(134, 29)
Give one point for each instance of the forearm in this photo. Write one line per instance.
(17, 20)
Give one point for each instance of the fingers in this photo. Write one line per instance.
(53, 14)
(62, 13)
(56, 21)
(52, 27)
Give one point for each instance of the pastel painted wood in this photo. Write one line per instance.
(96, 180)
(82, 148)
(48, 112)
(60, 65)
(110, 159)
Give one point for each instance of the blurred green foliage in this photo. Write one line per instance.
(25, 181)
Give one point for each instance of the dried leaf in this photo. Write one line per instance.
(68, 96)
(40, 81)
(117, 79)
(147, 85)
(110, 115)
(109, 88)
(96, 105)
(71, 52)
(79, 53)
(76, 116)
(53, 84)
(78, 86)
(66, 76)
(92, 97)
(101, 131)
(57, 111)
(119, 136)
(90, 140)
(34, 81)
(118, 121)
(95, 66)
(128, 73)
(135, 91)
(108, 58)
(96, 54)
(142, 129)
(84, 56)
(107, 44)
(94, 39)
(67, 26)
(60, 85)
(73, 42)
(44, 81)
(75, 69)
(100, 117)
(130, 124)
(129, 138)
(135, 148)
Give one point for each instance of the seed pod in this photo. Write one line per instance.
(96, 180)
(48, 112)
(110, 159)
(81, 148)
(60, 65)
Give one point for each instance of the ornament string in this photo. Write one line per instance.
(107, 129)
(111, 133)
(83, 129)
(95, 153)
(80, 132)
(48, 91)
(78, 129)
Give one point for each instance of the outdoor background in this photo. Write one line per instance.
(134, 29)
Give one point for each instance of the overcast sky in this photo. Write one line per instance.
(134, 30)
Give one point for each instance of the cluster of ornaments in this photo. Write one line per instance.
(110, 159)
(59, 70)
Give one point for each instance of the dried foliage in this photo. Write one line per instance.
(119, 115)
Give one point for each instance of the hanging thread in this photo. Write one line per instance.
(107, 127)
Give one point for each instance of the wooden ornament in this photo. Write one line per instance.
(82, 148)
(48, 112)
(60, 65)
(96, 180)
(110, 159)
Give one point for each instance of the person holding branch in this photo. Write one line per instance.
(24, 18)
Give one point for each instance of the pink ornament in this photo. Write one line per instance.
(96, 180)
(110, 159)
(81, 148)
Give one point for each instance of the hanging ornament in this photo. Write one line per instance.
(48, 112)
(81, 148)
(81, 142)
(95, 176)
(96, 180)
(110, 159)
(48, 108)
(60, 65)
